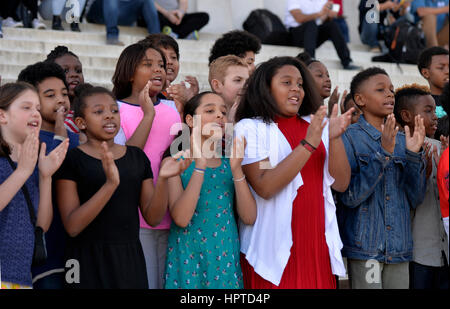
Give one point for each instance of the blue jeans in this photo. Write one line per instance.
(369, 33)
(124, 13)
(344, 28)
(428, 277)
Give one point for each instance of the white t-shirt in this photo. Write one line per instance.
(306, 6)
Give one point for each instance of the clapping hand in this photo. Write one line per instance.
(27, 153)
(314, 133)
(389, 132)
(173, 166)
(49, 164)
(109, 166)
(237, 155)
(415, 141)
(146, 102)
(338, 124)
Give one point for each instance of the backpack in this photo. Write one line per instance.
(267, 27)
(405, 42)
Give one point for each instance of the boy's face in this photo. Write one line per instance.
(376, 96)
(426, 107)
(173, 64)
(249, 58)
(53, 94)
(231, 88)
(437, 73)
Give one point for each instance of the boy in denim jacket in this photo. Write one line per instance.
(388, 180)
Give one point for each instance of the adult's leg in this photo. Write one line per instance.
(111, 18)
(191, 22)
(429, 28)
(442, 36)
(95, 13)
(150, 15)
(305, 36)
(329, 30)
(31, 5)
(369, 32)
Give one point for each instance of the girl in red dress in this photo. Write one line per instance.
(294, 156)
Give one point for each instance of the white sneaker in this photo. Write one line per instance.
(10, 22)
(37, 24)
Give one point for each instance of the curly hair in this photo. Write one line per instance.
(405, 99)
(35, 74)
(84, 91)
(58, 52)
(236, 43)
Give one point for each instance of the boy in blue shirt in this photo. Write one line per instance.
(434, 17)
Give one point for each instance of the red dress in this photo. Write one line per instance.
(309, 265)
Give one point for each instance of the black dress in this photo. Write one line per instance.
(108, 250)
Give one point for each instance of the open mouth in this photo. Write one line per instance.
(110, 128)
(294, 100)
(73, 84)
(33, 124)
(157, 81)
(389, 104)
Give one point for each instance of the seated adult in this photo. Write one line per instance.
(310, 23)
(434, 17)
(57, 11)
(112, 13)
(174, 20)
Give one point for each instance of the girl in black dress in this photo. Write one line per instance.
(99, 189)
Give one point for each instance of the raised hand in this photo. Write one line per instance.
(341, 104)
(173, 166)
(334, 99)
(109, 166)
(237, 154)
(179, 94)
(60, 129)
(338, 124)
(196, 147)
(389, 132)
(429, 151)
(194, 89)
(314, 133)
(27, 153)
(49, 164)
(414, 142)
(146, 102)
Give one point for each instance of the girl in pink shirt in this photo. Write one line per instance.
(146, 122)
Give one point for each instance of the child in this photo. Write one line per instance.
(349, 103)
(49, 79)
(291, 161)
(100, 187)
(239, 43)
(388, 180)
(427, 269)
(203, 249)
(227, 77)
(433, 66)
(179, 93)
(73, 70)
(20, 122)
(146, 122)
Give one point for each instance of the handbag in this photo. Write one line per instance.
(40, 248)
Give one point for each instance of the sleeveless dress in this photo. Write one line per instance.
(205, 254)
(309, 264)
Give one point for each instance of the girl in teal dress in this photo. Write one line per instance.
(203, 248)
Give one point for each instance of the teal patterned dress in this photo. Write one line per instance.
(205, 254)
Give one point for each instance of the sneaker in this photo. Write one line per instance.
(375, 50)
(11, 23)
(56, 23)
(37, 24)
(193, 36)
(75, 27)
(114, 41)
(351, 66)
(168, 31)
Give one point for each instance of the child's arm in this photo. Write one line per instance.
(47, 167)
(268, 182)
(26, 163)
(76, 217)
(245, 202)
(140, 135)
(338, 165)
(154, 202)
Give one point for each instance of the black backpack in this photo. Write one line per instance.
(267, 27)
(405, 42)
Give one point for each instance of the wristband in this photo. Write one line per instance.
(308, 146)
(240, 179)
(200, 170)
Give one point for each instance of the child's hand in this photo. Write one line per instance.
(178, 93)
(146, 102)
(429, 151)
(415, 142)
(60, 129)
(109, 166)
(27, 153)
(341, 104)
(194, 89)
(175, 165)
(338, 124)
(49, 164)
(334, 99)
(237, 154)
(314, 133)
(389, 131)
(196, 147)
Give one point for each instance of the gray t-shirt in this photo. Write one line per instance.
(169, 5)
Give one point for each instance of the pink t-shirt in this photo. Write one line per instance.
(158, 140)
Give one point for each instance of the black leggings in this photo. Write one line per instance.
(190, 22)
(9, 8)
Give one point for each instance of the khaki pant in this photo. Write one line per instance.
(372, 274)
(432, 37)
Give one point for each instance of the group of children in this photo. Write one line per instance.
(301, 187)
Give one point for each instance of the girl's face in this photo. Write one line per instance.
(322, 78)
(53, 95)
(150, 68)
(287, 89)
(376, 96)
(101, 119)
(73, 69)
(213, 113)
(22, 117)
(173, 65)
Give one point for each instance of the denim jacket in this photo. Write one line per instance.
(375, 222)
